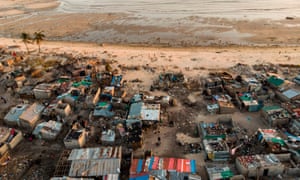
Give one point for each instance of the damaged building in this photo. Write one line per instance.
(75, 138)
(275, 115)
(259, 165)
(216, 150)
(47, 130)
(147, 113)
(9, 139)
(212, 130)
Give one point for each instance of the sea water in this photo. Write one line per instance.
(250, 9)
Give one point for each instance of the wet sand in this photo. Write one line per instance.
(65, 22)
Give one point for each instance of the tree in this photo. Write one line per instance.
(26, 39)
(38, 38)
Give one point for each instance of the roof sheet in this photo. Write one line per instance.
(291, 93)
(95, 167)
(95, 153)
(275, 81)
(157, 163)
(15, 112)
(144, 111)
(99, 161)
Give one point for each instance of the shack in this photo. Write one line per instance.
(44, 91)
(259, 165)
(9, 139)
(75, 139)
(92, 98)
(103, 109)
(107, 93)
(275, 115)
(30, 117)
(162, 168)
(108, 137)
(253, 84)
(273, 139)
(247, 101)
(275, 82)
(47, 130)
(288, 95)
(213, 85)
(12, 117)
(63, 109)
(224, 103)
(116, 80)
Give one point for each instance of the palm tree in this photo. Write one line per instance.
(26, 39)
(38, 38)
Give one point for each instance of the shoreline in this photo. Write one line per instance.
(46, 42)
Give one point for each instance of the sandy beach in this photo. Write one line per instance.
(192, 62)
(116, 22)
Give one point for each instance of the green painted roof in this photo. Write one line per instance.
(270, 108)
(275, 81)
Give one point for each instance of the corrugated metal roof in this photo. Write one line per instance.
(95, 161)
(135, 110)
(270, 108)
(95, 153)
(291, 93)
(144, 111)
(99, 167)
(111, 177)
(157, 163)
(275, 81)
(50, 128)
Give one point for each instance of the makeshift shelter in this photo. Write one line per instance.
(9, 139)
(47, 130)
(288, 95)
(108, 137)
(30, 117)
(92, 98)
(275, 82)
(107, 93)
(63, 109)
(248, 101)
(75, 139)
(103, 109)
(12, 117)
(116, 80)
(224, 103)
(44, 91)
